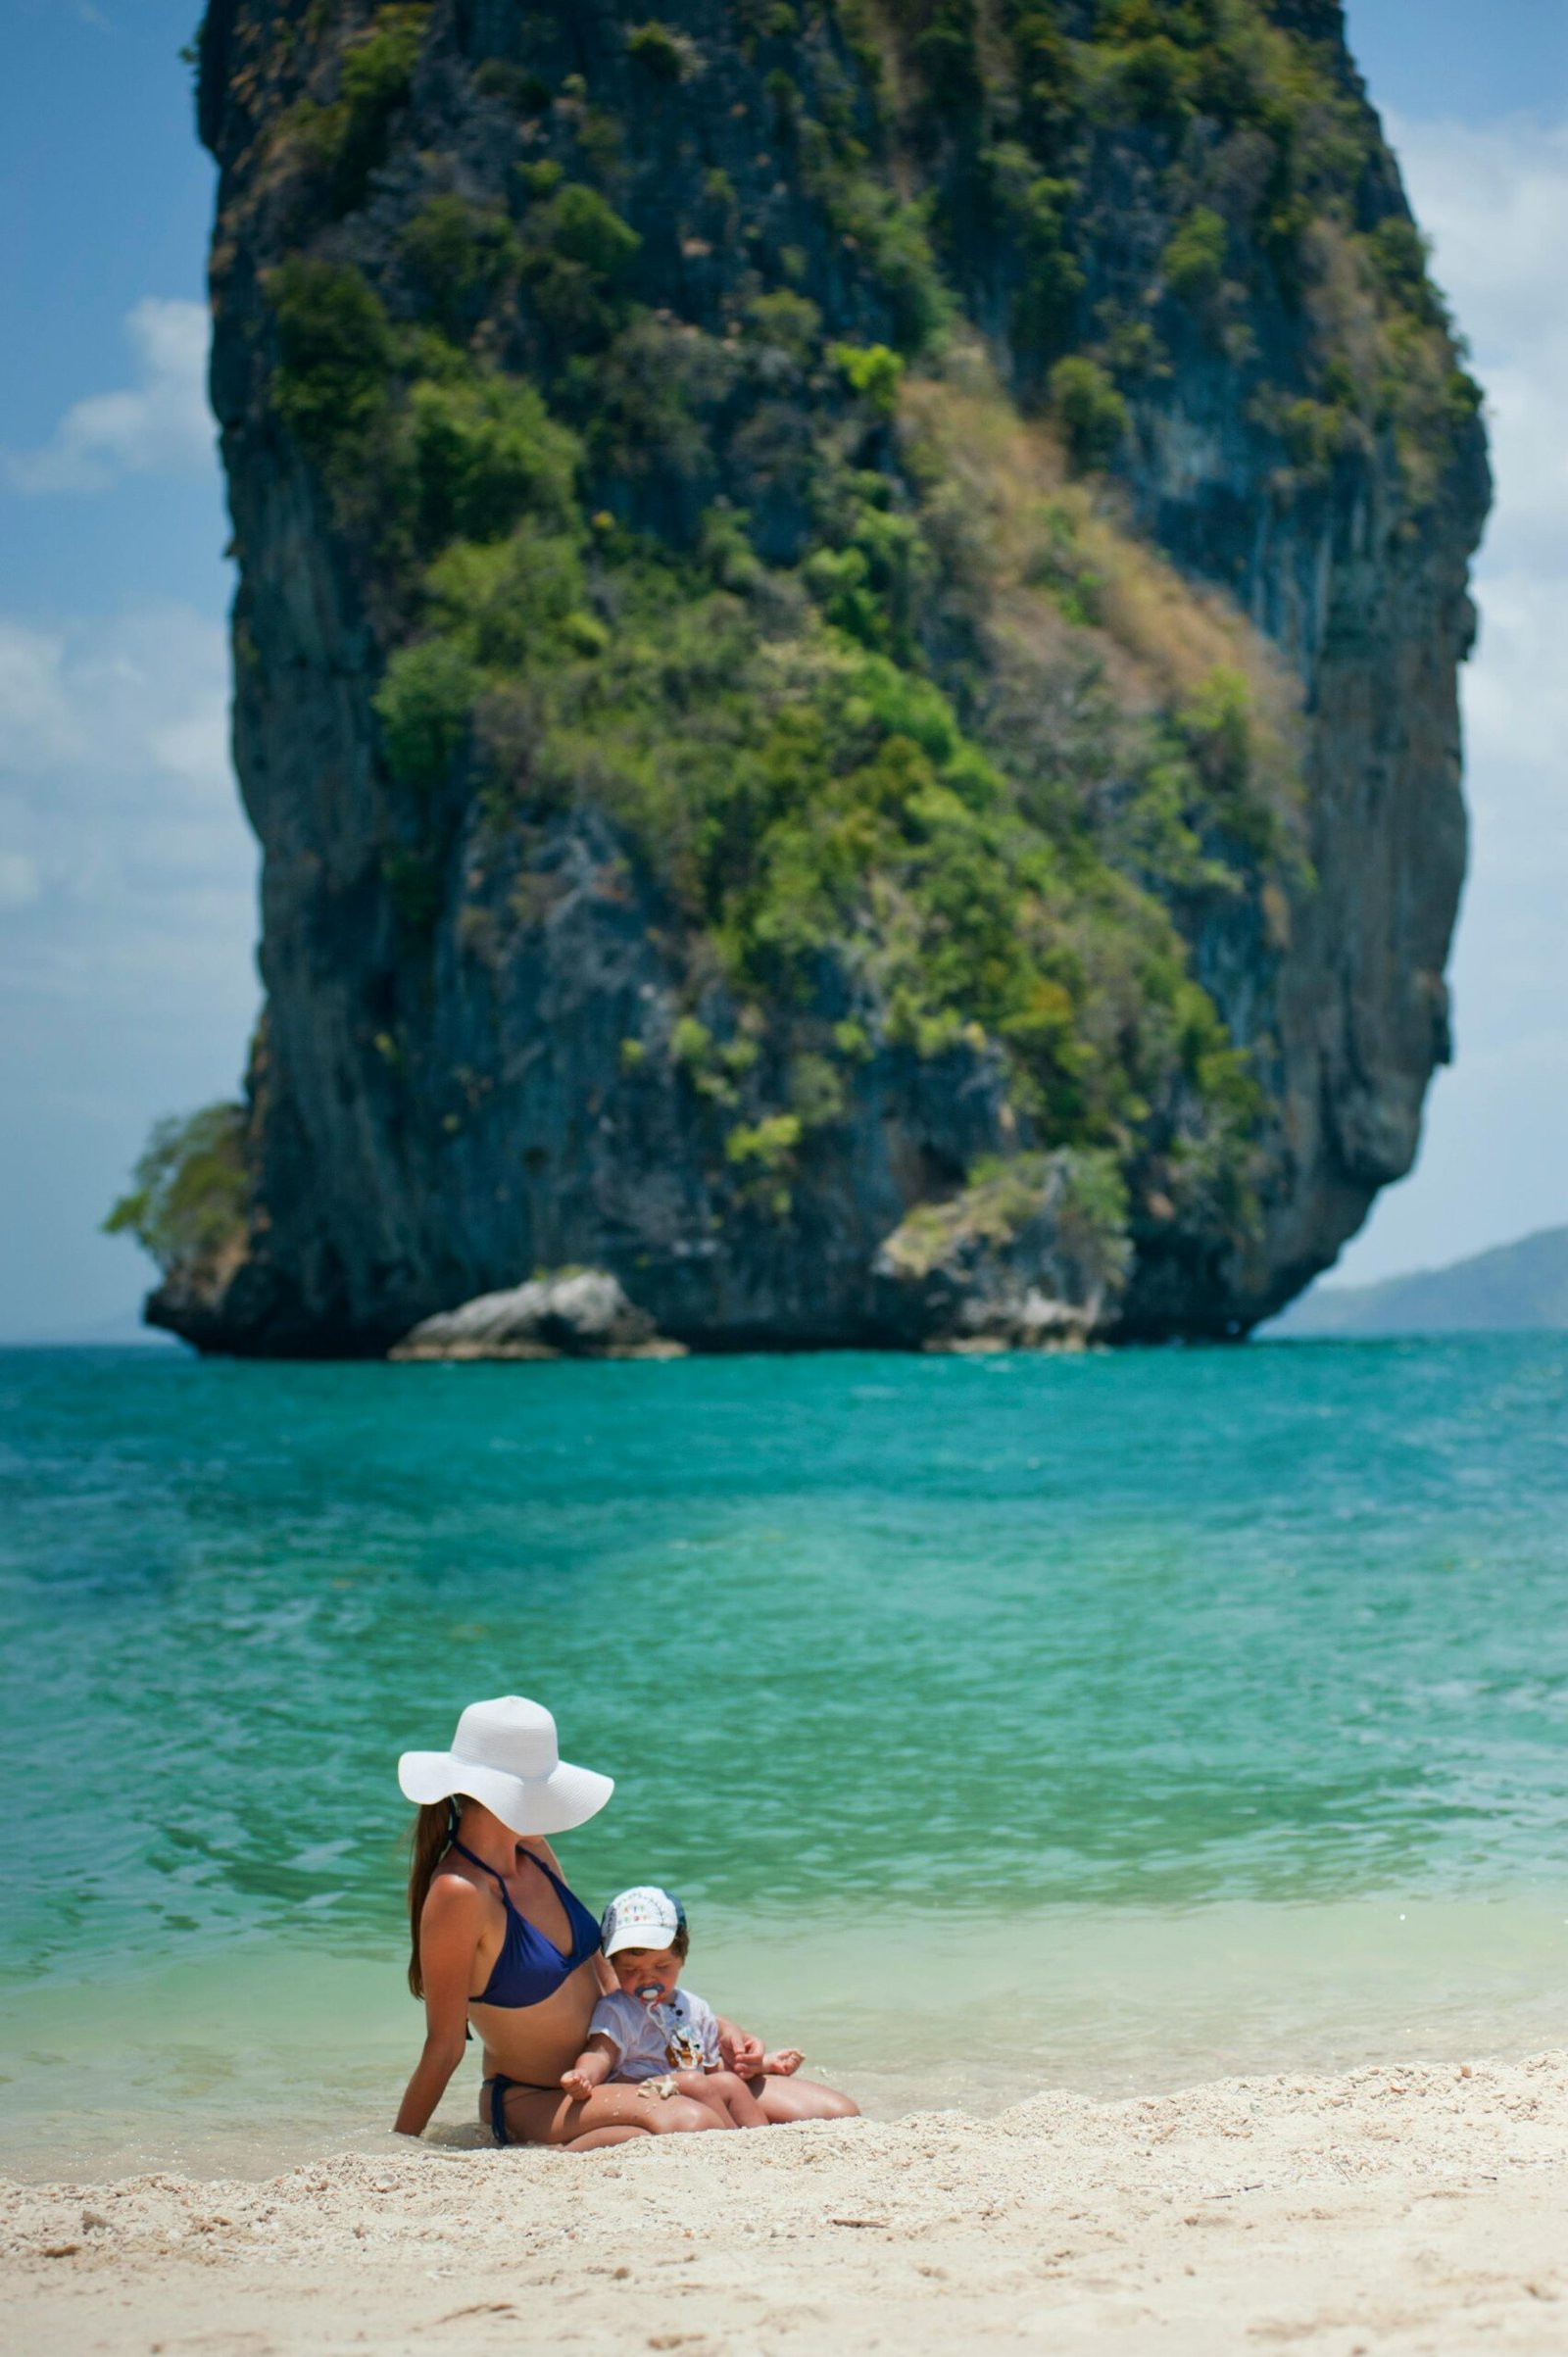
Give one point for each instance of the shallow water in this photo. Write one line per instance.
(1109, 1721)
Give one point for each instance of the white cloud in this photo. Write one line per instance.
(127, 925)
(1493, 198)
(19, 882)
(122, 849)
(159, 425)
(194, 745)
(1490, 196)
(1517, 692)
(147, 689)
(35, 716)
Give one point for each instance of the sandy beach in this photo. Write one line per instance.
(1389, 2210)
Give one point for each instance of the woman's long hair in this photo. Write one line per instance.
(429, 1839)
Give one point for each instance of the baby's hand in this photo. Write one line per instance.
(785, 2063)
(578, 2084)
(742, 2052)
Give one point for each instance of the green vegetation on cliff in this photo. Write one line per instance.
(187, 1201)
(772, 738)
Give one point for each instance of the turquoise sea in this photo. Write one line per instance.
(1112, 1721)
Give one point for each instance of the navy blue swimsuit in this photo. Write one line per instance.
(531, 1967)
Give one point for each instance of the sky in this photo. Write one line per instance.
(127, 875)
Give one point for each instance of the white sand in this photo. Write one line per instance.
(1390, 2211)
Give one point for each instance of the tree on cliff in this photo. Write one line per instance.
(186, 1200)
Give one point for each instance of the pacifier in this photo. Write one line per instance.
(650, 1993)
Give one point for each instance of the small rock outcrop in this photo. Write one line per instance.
(576, 1313)
(831, 599)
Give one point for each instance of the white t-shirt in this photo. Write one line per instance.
(650, 2040)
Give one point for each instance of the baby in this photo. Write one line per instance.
(661, 2037)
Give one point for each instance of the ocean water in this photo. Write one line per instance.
(1112, 1721)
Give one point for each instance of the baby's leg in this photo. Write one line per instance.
(726, 2092)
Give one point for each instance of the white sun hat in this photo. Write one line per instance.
(505, 1755)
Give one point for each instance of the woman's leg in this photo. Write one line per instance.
(785, 2099)
(545, 2115)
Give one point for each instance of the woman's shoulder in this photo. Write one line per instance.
(451, 1896)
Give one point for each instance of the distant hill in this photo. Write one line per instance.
(1522, 1284)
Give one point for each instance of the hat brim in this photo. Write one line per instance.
(524, 1804)
(640, 1935)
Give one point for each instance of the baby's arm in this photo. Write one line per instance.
(592, 2067)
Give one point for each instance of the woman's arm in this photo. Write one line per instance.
(450, 1931)
(741, 2050)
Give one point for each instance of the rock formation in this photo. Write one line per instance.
(845, 659)
(579, 1313)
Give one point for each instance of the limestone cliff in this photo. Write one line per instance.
(845, 659)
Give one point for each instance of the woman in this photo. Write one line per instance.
(500, 1941)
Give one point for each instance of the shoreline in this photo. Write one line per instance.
(231, 2061)
(1401, 2207)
